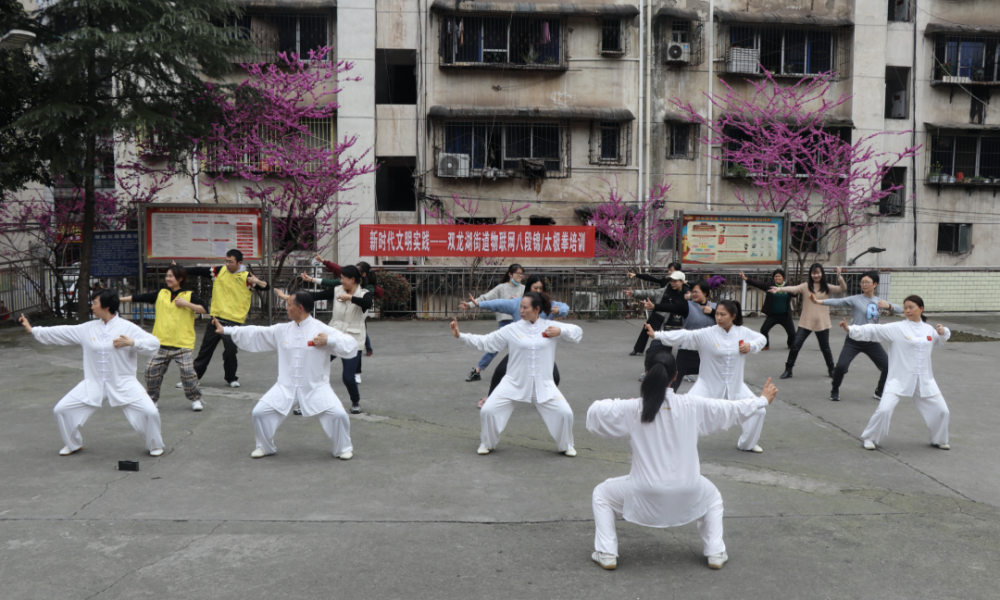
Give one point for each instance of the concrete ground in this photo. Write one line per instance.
(418, 514)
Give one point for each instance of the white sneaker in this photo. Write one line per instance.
(346, 456)
(942, 446)
(716, 561)
(357, 378)
(156, 452)
(869, 445)
(234, 384)
(570, 452)
(258, 452)
(755, 449)
(607, 561)
(180, 385)
(197, 406)
(66, 451)
(483, 449)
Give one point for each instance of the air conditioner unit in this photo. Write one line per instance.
(898, 106)
(678, 53)
(453, 165)
(585, 302)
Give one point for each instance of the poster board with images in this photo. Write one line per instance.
(201, 232)
(732, 238)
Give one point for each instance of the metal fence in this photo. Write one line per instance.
(22, 288)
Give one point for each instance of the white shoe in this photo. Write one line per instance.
(66, 451)
(156, 452)
(869, 445)
(942, 446)
(607, 561)
(346, 456)
(257, 453)
(197, 406)
(357, 378)
(755, 449)
(234, 384)
(483, 449)
(571, 452)
(689, 378)
(180, 385)
(716, 561)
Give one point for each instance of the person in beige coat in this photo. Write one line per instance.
(815, 318)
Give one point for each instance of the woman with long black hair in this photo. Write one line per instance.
(510, 287)
(531, 343)
(911, 342)
(815, 318)
(698, 313)
(722, 349)
(665, 487)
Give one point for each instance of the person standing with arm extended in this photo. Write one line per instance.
(510, 287)
(777, 306)
(657, 320)
(864, 311)
(174, 327)
(677, 291)
(665, 487)
(110, 345)
(815, 318)
(698, 313)
(371, 283)
(231, 296)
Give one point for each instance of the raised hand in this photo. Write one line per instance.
(629, 292)
(939, 328)
(181, 302)
(218, 326)
(454, 327)
(742, 276)
(318, 258)
(839, 271)
(812, 297)
(631, 275)
(281, 294)
(884, 305)
(707, 309)
(770, 391)
(551, 331)
(845, 326)
(305, 276)
(555, 310)
(320, 340)
(345, 297)
(772, 290)
(648, 304)
(123, 341)
(744, 348)
(23, 320)
(650, 332)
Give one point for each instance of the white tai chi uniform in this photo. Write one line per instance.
(910, 374)
(108, 372)
(665, 487)
(303, 377)
(528, 379)
(721, 374)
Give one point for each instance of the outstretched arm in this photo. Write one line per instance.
(872, 333)
(491, 342)
(613, 418)
(719, 415)
(252, 338)
(60, 335)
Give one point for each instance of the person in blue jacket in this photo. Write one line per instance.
(512, 307)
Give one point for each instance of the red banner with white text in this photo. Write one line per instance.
(548, 241)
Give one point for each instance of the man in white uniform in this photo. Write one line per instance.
(110, 346)
(304, 348)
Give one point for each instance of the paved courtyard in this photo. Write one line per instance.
(418, 514)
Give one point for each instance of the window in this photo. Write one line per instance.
(786, 51)
(294, 34)
(316, 134)
(899, 10)
(893, 205)
(964, 157)
(536, 220)
(612, 37)
(501, 42)
(395, 77)
(897, 81)
(680, 140)
(610, 143)
(954, 238)
(507, 149)
(476, 221)
(806, 237)
(966, 59)
(394, 185)
(683, 45)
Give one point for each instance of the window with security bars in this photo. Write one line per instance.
(966, 59)
(786, 51)
(821, 145)
(294, 34)
(684, 42)
(805, 237)
(893, 204)
(612, 37)
(317, 133)
(502, 42)
(954, 238)
(965, 158)
(681, 140)
(610, 143)
(504, 149)
(901, 11)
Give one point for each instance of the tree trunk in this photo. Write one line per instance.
(87, 241)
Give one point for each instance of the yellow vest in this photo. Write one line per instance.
(174, 325)
(231, 296)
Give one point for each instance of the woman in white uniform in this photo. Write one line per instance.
(665, 487)
(723, 349)
(531, 344)
(910, 372)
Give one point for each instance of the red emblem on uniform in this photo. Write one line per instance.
(929, 339)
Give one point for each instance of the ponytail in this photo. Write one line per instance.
(660, 371)
(733, 308)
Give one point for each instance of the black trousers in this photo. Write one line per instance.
(823, 337)
(656, 320)
(208, 344)
(852, 348)
(501, 370)
(688, 363)
(785, 321)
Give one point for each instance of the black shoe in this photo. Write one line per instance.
(473, 376)
(829, 372)
(787, 374)
(634, 353)
(835, 395)
(877, 395)
(368, 352)
(355, 409)
(297, 412)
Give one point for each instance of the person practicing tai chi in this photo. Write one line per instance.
(777, 306)
(371, 285)
(174, 327)
(910, 374)
(510, 287)
(304, 347)
(110, 345)
(665, 487)
(531, 343)
(231, 296)
(864, 311)
(723, 349)
(513, 307)
(658, 320)
(815, 318)
(698, 313)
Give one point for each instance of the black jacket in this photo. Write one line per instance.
(760, 285)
